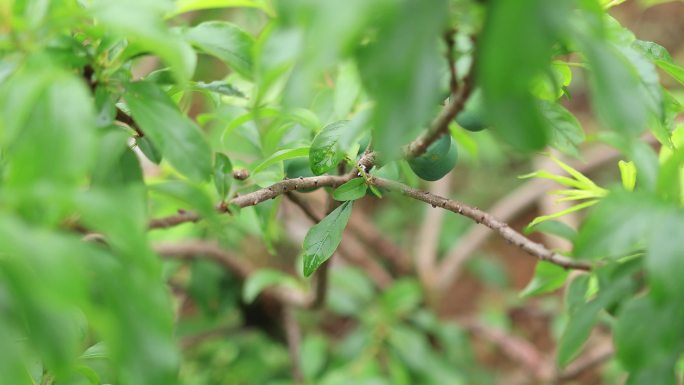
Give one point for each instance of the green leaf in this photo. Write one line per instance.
(117, 165)
(220, 87)
(227, 42)
(351, 190)
(280, 156)
(659, 55)
(149, 149)
(566, 132)
(515, 47)
(672, 69)
(402, 298)
(183, 6)
(324, 237)
(641, 319)
(401, 71)
(610, 231)
(223, 174)
(628, 174)
(141, 22)
(556, 228)
(48, 127)
(376, 191)
(584, 317)
(571, 209)
(325, 152)
(347, 89)
(178, 138)
(576, 293)
(194, 196)
(262, 279)
(664, 262)
(547, 277)
(616, 92)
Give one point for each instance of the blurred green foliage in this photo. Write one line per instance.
(113, 113)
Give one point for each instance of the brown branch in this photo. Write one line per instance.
(425, 254)
(240, 267)
(481, 217)
(511, 206)
(364, 230)
(128, 120)
(293, 335)
(453, 80)
(256, 197)
(514, 347)
(439, 126)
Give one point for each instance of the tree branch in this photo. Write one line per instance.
(514, 347)
(425, 252)
(293, 335)
(438, 127)
(481, 217)
(511, 206)
(256, 197)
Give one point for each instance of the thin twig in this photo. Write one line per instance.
(481, 217)
(453, 80)
(439, 126)
(365, 230)
(293, 335)
(256, 197)
(425, 254)
(519, 350)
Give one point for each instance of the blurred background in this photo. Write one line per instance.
(416, 295)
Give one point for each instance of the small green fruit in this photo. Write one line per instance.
(472, 118)
(437, 161)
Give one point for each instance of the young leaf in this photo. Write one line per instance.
(628, 174)
(324, 237)
(223, 174)
(280, 156)
(227, 42)
(262, 279)
(547, 277)
(352, 190)
(325, 152)
(556, 228)
(178, 138)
